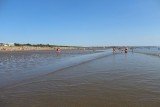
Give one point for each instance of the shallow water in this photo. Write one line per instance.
(18, 61)
(16, 66)
(120, 80)
(149, 51)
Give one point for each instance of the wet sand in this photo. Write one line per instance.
(120, 80)
(32, 48)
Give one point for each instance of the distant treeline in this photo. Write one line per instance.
(36, 45)
(41, 45)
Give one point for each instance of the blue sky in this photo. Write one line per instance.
(81, 22)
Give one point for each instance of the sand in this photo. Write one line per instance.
(30, 48)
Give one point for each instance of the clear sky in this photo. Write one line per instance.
(80, 22)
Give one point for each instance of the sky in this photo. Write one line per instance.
(81, 22)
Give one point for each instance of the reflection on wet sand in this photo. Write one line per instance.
(112, 81)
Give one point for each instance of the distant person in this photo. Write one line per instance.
(58, 50)
(114, 50)
(121, 50)
(126, 50)
(132, 50)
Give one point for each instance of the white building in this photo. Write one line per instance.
(7, 44)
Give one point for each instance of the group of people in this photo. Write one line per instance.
(121, 50)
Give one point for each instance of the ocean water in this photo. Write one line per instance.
(97, 80)
(149, 51)
(15, 66)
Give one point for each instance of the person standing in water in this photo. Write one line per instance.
(126, 50)
(58, 50)
(121, 50)
(114, 50)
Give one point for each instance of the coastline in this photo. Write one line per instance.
(32, 48)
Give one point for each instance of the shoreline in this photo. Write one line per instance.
(32, 48)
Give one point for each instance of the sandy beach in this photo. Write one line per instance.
(120, 80)
(30, 48)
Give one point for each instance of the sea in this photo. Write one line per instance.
(17, 66)
(80, 78)
(155, 51)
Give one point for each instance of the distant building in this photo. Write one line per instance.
(11, 44)
(7, 44)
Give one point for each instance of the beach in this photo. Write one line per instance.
(32, 48)
(80, 53)
(113, 80)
